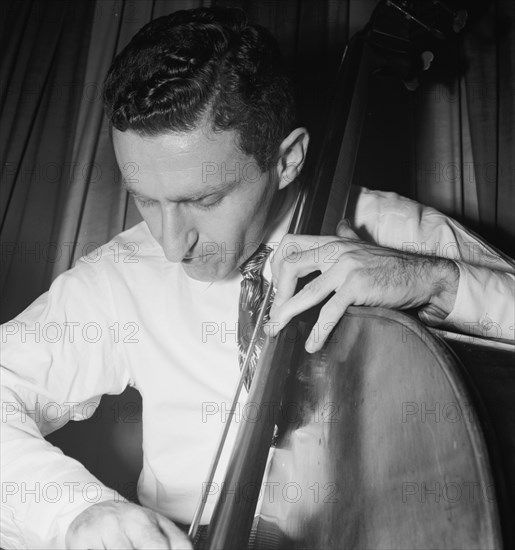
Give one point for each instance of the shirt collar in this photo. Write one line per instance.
(280, 226)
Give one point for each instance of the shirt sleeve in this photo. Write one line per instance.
(485, 301)
(58, 358)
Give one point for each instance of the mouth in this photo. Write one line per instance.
(196, 259)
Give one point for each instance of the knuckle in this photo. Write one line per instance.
(153, 540)
(291, 250)
(109, 523)
(354, 277)
(289, 237)
(352, 261)
(140, 523)
(151, 531)
(147, 534)
(92, 525)
(313, 287)
(136, 514)
(335, 307)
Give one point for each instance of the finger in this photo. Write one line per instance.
(291, 248)
(287, 281)
(176, 538)
(312, 293)
(147, 536)
(345, 231)
(330, 315)
(319, 258)
(93, 539)
(116, 540)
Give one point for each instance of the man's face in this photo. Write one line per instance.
(204, 201)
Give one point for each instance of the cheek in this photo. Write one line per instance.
(254, 205)
(222, 229)
(152, 217)
(239, 223)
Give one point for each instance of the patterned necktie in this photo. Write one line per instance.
(252, 294)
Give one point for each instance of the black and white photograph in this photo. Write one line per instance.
(257, 274)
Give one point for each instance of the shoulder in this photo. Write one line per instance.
(391, 220)
(90, 290)
(120, 257)
(126, 247)
(386, 217)
(367, 203)
(119, 261)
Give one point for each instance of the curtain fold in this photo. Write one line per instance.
(44, 55)
(438, 160)
(506, 133)
(490, 54)
(95, 203)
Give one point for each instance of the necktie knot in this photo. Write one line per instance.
(253, 267)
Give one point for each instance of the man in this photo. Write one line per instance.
(199, 103)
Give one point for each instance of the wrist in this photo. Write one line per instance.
(444, 281)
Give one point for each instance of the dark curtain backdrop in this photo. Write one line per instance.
(44, 48)
(450, 144)
(465, 128)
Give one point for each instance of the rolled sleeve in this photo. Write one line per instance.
(485, 303)
(485, 300)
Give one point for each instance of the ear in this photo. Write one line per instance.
(292, 154)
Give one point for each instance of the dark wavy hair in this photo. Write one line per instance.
(203, 64)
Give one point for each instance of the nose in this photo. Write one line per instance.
(178, 235)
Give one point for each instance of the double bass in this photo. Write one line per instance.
(374, 442)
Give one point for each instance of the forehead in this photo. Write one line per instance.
(180, 166)
(176, 151)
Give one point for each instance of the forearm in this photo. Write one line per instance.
(42, 489)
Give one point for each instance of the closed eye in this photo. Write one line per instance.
(145, 203)
(208, 202)
(204, 203)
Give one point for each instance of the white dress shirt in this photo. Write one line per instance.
(124, 315)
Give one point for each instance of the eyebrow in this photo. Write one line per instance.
(192, 198)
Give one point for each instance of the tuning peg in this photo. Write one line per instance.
(427, 59)
(460, 20)
(411, 84)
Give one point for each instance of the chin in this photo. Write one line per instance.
(206, 272)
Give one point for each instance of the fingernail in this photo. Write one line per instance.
(344, 224)
(310, 345)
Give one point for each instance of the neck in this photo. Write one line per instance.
(283, 202)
